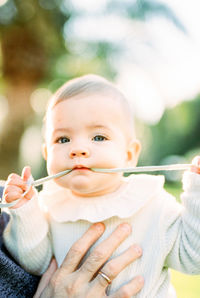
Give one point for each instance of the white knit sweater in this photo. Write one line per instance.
(169, 233)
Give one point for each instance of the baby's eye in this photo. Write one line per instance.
(99, 138)
(63, 140)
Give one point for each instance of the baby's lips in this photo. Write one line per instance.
(77, 167)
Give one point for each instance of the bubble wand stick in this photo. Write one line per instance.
(174, 167)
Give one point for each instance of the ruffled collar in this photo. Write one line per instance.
(132, 195)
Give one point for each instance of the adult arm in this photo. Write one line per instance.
(68, 281)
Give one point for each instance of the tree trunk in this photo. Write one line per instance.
(23, 67)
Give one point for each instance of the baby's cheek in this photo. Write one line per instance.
(117, 161)
(53, 165)
(113, 158)
(107, 163)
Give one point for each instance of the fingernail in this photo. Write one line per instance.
(126, 227)
(99, 226)
(138, 250)
(30, 179)
(140, 279)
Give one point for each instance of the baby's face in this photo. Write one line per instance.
(84, 133)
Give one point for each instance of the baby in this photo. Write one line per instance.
(89, 125)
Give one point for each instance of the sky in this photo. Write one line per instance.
(160, 65)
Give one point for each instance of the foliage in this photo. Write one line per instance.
(38, 51)
(177, 133)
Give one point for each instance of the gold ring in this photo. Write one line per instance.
(105, 277)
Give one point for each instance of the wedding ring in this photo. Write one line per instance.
(105, 277)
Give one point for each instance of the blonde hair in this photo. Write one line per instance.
(92, 84)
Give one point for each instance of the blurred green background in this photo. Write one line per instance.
(146, 47)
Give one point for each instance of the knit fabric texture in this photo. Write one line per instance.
(168, 232)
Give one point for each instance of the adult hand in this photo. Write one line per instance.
(68, 281)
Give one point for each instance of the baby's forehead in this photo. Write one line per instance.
(92, 105)
(95, 104)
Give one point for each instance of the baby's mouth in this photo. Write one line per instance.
(80, 167)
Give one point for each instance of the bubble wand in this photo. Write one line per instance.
(31, 182)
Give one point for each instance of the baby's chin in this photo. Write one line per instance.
(82, 186)
(88, 186)
(79, 185)
(86, 190)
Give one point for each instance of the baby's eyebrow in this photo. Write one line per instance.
(98, 126)
(62, 129)
(70, 130)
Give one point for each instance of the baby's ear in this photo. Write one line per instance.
(133, 152)
(44, 151)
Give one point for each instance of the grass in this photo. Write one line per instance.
(187, 286)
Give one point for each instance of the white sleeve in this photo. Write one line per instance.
(27, 237)
(183, 233)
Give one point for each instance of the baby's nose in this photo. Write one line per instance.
(79, 153)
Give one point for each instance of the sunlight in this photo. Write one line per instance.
(4, 110)
(89, 5)
(39, 99)
(168, 58)
(142, 93)
(2, 2)
(110, 28)
(30, 148)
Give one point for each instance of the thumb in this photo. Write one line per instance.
(26, 173)
(196, 161)
(195, 165)
(27, 177)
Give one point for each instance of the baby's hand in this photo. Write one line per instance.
(195, 165)
(15, 187)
